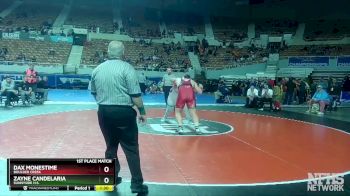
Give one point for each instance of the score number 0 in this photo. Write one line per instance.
(106, 170)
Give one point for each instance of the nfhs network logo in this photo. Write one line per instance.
(325, 182)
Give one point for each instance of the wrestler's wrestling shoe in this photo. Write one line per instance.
(180, 130)
(197, 131)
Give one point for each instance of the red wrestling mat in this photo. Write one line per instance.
(261, 149)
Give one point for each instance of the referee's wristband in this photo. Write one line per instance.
(142, 110)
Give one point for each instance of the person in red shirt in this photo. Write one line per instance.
(186, 96)
(31, 77)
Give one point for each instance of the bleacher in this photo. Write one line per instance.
(91, 17)
(229, 29)
(337, 74)
(132, 55)
(33, 15)
(319, 50)
(294, 72)
(92, 49)
(229, 58)
(36, 49)
(185, 23)
(275, 27)
(163, 60)
(141, 22)
(326, 29)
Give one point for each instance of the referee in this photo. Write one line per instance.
(115, 87)
(168, 81)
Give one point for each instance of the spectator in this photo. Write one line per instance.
(8, 90)
(334, 91)
(303, 86)
(33, 59)
(323, 83)
(43, 87)
(168, 80)
(290, 91)
(277, 96)
(221, 95)
(322, 98)
(142, 82)
(252, 97)
(27, 94)
(346, 84)
(266, 96)
(51, 52)
(235, 89)
(21, 57)
(223, 88)
(31, 77)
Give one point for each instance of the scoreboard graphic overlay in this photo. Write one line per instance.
(83, 174)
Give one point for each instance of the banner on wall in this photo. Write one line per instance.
(72, 81)
(56, 38)
(343, 61)
(14, 35)
(36, 36)
(17, 77)
(308, 61)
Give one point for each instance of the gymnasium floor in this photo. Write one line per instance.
(242, 151)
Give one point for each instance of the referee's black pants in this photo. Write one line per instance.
(166, 90)
(118, 126)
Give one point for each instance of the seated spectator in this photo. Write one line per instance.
(21, 57)
(8, 90)
(33, 59)
(26, 93)
(334, 91)
(42, 88)
(218, 97)
(221, 95)
(2, 54)
(320, 97)
(266, 96)
(51, 52)
(236, 91)
(252, 97)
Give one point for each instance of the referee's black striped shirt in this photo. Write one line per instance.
(114, 82)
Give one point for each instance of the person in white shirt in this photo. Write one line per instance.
(252, 97)
(168, 80)
(266, 96)
(8, 89)
(172, 102)
(142, 81)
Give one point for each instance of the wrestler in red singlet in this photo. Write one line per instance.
(186, 95)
